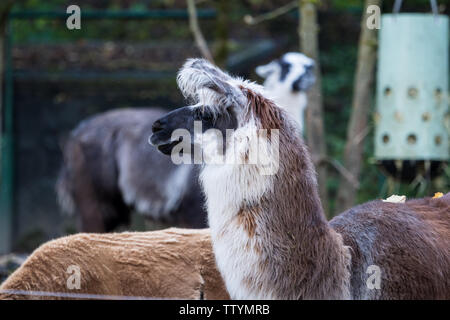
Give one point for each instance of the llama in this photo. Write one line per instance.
(102, 177)
(286, 81)
(270, 236)
(171, 263)
(109, 169)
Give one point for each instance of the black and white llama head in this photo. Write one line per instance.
(287, 79)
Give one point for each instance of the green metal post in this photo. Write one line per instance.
(412, 87)
(7, 151)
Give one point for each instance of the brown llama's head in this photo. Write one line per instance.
(224, 109)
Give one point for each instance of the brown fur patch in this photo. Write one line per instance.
(412, 253)
(247, 218)
(263, 109)
(251, 283)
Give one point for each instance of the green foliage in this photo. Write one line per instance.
(338, 65)
(346, 4)
(51, 30)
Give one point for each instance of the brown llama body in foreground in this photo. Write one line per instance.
(270, 236)
(410, 242)
(172, 263)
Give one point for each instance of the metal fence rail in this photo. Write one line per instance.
(123, 14)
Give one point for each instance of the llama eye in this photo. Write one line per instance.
(285, 68)
(197, 116)
(207, 116)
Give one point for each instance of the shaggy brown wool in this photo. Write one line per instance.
(171, 263)
(409, 242)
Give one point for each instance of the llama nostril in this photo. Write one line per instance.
(157, 126)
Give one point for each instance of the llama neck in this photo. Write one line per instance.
(270, 236)
(294, 103)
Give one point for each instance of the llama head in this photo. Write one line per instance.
(223, 109)
(286, 81)
(292, 73)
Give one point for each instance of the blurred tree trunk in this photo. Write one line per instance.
(315, 133)
(197, 32)
(222, 24)
(357, 128)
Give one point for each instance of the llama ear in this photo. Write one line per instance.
(265, 70)
(199, 74)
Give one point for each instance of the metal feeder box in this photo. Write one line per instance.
(412, 118)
